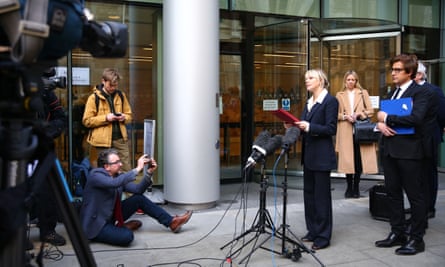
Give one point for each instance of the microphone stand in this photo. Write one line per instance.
(299, 247)
(261, 224)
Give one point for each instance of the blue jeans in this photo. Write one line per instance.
(121, 236)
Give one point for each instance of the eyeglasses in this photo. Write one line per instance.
(114, 162)
(397, 70)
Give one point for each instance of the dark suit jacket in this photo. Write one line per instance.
(318, 148)
(99, 197)
(411, 146)
(440, 99)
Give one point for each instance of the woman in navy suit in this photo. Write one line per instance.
(318, 126)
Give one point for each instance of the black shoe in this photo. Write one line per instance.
(53, 238)
(391, 240)
(348, 194)
(29, 245)
(431, 214)
(412, 247)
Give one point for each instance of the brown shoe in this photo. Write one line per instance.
(133, 225)
(178, 221)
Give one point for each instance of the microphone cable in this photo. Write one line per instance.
(243, 189)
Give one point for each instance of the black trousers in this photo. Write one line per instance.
(318, 205)
(405, 175)
(45, 208)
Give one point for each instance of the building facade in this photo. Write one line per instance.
(264, 48)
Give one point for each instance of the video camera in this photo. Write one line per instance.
(51, 81)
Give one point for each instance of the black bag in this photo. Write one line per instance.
(379, 202)
(364, 132)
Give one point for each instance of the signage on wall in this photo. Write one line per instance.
(285, 104)
(270, 104)
(81, 76)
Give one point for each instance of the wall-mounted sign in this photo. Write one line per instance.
(81, 76)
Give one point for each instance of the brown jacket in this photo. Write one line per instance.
(100, 133)
(344, 138)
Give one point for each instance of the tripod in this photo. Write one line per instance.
(24, 140)
(49, 166)
(262, 223)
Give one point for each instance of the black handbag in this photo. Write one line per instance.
(364, 132)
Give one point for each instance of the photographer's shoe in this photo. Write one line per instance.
(179, 221)
(53, 238)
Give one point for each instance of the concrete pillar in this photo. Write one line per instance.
(191, 118)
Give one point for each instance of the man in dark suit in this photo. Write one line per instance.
(437, 130)
(403, 158)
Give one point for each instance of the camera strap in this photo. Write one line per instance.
(26, 35)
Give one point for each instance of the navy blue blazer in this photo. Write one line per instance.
(411, 146)
(99, 197)
(318, 152)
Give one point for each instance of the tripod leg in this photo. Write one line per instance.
(70, 218)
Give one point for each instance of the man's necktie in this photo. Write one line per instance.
(396, 93)
(118, 217)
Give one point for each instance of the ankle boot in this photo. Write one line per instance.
(356, 187)
(348, 192)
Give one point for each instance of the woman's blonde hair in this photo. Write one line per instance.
(318, 73)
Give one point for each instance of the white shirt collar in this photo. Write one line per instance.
(319, 100)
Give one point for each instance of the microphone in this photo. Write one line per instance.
(261, 152)
(289, 138)
(257, 148)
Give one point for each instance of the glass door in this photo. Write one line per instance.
(280, 59)
(230, 116)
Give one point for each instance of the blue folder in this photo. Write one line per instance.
(399, 107)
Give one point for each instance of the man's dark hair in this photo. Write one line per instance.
(409, 63)
(103, 157)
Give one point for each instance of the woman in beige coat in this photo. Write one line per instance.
(353, 158)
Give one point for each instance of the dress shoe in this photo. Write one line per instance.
(412, 247)
(179, 221)
(133, 225)
(348, 193)
(391, 240)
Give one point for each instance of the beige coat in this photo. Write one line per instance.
(344, 138)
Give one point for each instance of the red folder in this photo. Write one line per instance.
(285, 115)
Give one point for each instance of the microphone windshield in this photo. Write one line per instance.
(262, 139)
(273, 144)
(290, 137)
